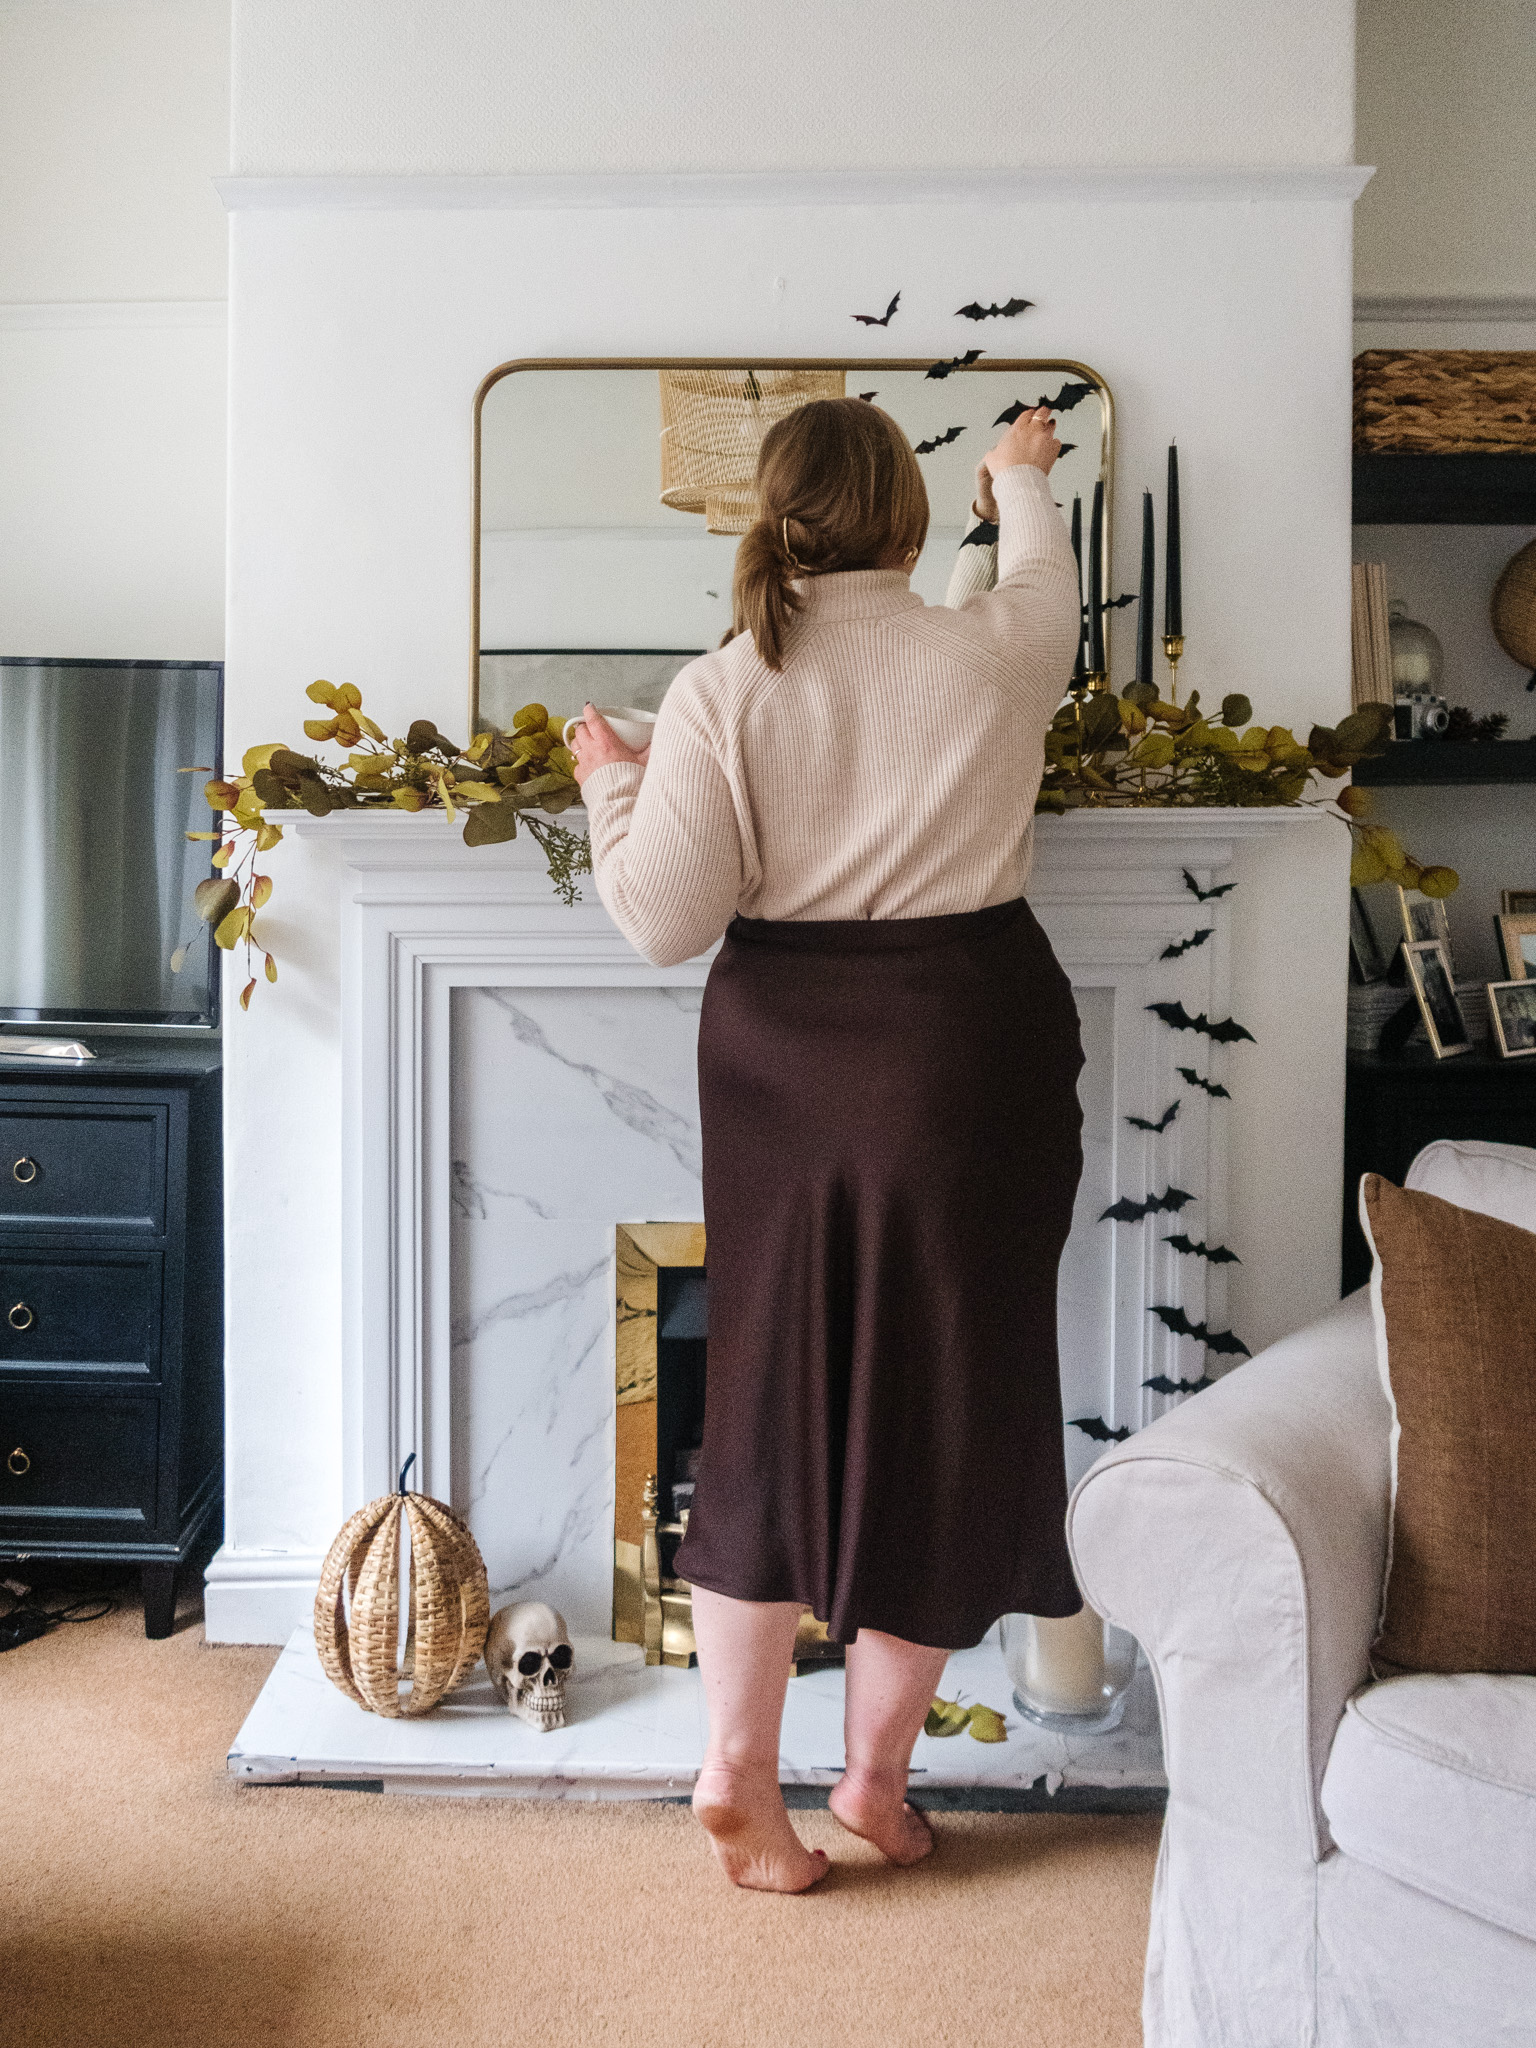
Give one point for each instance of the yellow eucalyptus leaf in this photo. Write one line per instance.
(1365, 866)
(271, 968)
(530, 718)
(320, 728)
(374, 732)
(200, 835)
(248, 809)
(178, 959)
(321, 693)
(231, 930)
(348, 731)
(988, 1725)
(225, 854)
(348, 697)
(261, 890)
(221, 796)
(1156, 750)
(246, 993)
(1357, 802)
(476, 793)
(1439, 882)
(945, 1717)
(478, 745)
(410, 800)
(267, 835)
(254, 759)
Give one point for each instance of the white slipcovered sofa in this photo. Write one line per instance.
(1344, 1864)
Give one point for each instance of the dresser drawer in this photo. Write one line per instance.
(63, 1314)
(73, 1454)
(92, 1167)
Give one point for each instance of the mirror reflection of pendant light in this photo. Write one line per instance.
(712, 425)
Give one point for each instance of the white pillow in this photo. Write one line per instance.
(1496, 1180)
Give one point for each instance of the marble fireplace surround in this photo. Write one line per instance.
(424, 919)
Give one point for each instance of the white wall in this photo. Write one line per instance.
(735, 85)
(113, 124)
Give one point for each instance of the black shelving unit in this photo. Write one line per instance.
(1445, 490)
(1441, 763)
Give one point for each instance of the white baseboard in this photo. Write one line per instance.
(259, 1596)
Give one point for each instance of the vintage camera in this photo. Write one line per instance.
(1419, 715)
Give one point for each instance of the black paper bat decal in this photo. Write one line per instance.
(1177, 1018)
(976, 311)
(1169, 1202)
(1096, 1427)
(1117, 604)
(1217, 1254)
(1199, 1081)
(1174, 1319)
(1065, 449)
(939, 441)
(1206, 895)
(972, 355)
(1161, 1384)
(1139, 1123)
(879, 319)
(1183, 946)
(1068, 396)
(983, 535)
(869, 396)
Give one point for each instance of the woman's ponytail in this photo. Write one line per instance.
(762, 596)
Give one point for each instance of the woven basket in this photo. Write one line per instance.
(357, 1609)
(1513, 610)
(1445, 401)
(712, 425)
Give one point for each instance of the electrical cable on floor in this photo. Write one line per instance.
(27, 1619)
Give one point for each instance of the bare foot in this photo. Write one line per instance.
(742, 1810)
(876, 1810)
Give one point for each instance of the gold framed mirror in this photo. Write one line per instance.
(609, 496)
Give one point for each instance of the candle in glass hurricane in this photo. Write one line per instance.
(1080, 666)
(1096, 582)
(1146, 598)
(1173, 570)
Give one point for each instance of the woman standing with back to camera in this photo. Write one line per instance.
(888, 1059)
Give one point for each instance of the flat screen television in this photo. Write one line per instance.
(96, 871)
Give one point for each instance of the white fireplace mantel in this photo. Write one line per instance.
(423, 915)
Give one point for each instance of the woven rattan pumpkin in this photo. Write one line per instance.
(712, 425)
(1513, 610)
(357, 1609)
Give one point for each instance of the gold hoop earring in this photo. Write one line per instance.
(910, 557)
(788, 550)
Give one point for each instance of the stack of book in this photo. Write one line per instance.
(1370, 636)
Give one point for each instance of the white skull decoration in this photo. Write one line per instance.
(528, 1657)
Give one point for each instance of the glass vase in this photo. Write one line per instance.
(1069, 1675)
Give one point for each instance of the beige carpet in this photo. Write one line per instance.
(144, 1899)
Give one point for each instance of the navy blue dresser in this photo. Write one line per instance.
(111, 1311)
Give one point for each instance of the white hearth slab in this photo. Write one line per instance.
(638, 1733)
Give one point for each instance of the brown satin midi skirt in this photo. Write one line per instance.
(891, 1151)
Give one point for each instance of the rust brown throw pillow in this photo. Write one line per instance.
(1455, 1300)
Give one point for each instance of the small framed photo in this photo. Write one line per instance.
(1518, 902)
(1513, 1004)
(1517, 941)
(1425, 918)
(1430, 973)
(1366, 961)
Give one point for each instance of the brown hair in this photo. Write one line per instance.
(838, 488)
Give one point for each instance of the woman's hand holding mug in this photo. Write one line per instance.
(595, 743)
(1031, 439)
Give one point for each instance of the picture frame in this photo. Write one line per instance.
(1425, 918)
(1517, 943)
(1429, 973)
(1367, 961)
(1517, 902)
(1512, 1005)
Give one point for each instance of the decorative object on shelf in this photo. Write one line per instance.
(1512, 611)
(1512, 1010)
(1467, 727)
(1418, 660)
(1173, 580)
(1370, 669)
(712, 425)
(1426, 917)
(949, 1717)
(1429, 973)
(528, 1659)
(1365, 958)
(1517, 902)
(357, 1606)
(1445, 401)
(1071, 1675)
(1146, 594)
(1517, 942)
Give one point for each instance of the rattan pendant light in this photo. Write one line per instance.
(357, 1608)
(712, 425)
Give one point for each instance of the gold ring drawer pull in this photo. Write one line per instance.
(18, 1462)
(21, 1317)
(24, 1170)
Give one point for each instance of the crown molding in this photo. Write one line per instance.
(622, 190)
(1389, 306)
(119, 313)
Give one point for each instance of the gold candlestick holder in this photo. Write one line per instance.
(1097, 679)
(1173, 648)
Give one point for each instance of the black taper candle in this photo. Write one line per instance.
(1080, 666)
(1173, 586)
(1096, 582)
(1148, 596)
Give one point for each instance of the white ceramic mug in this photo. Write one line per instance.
(633, 727)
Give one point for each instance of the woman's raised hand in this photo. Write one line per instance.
(595, 744)
(1031, 439)
(984, 505)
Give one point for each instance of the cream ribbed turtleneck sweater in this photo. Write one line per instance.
(889, 769)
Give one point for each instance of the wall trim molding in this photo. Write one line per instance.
(620, 190)
(120, 313)
(1389, 306)
(259, 1596)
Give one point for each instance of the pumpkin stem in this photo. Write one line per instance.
(410, 1461)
